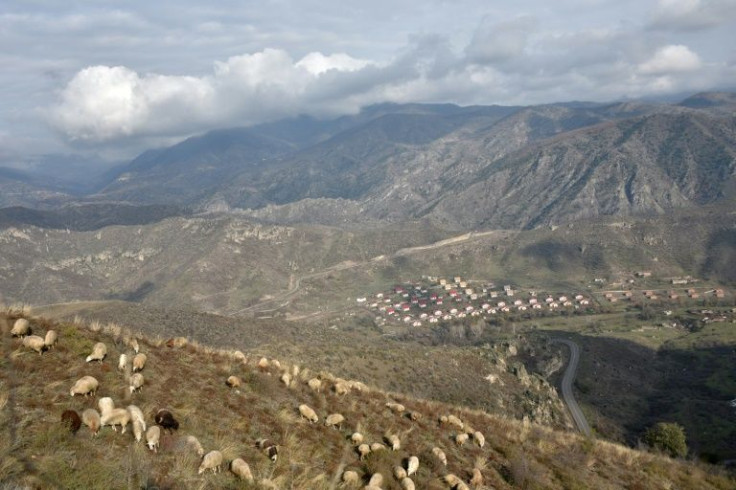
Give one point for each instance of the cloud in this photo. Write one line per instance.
(671, 59)
(499, 41)
(692, 14)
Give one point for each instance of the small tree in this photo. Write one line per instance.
(668, 438)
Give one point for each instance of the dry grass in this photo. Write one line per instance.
(35, 450)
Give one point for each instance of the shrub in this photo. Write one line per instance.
(668, 438)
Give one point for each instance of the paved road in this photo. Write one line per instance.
(567, 379)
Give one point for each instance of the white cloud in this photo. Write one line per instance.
(316, 63)
(499, 41)
(692, 14)
(671, 59)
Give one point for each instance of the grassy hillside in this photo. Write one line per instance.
(36, 451)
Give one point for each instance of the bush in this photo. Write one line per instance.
(668, 438)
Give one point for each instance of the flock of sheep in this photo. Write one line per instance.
(112, 416)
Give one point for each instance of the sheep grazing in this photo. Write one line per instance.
(263, 364)
(21, 328)
(461, 439)
(286, 379)
(115, 417)
(309, 414)
(356, 438)
(341, 388)
(269, 448)
(139, 362)
(315, 384)
(34, 342)
(412, 465)
(364, 450)
(358, 386)
(91, 418)
(106, 404)
(407, 484)
(393, 441)
(377, 446)
(138, 422)
(233, 382)
(479, 438)
(134, 345)
(153, 436)
(376, 480)
(122, 362)
(350, 478)
(84, 386)
(334, 420)
(275, 363)
(71, 420)
(177, 342)
(454, 482)
(211, 461)
(50, 339)
(477, 479)
(414, 416)
(440, 454)
(166, 420)
(136, 382)
(193, 442)
(452, 420)
(399, 473)
(396, 407)
(241, 469)
(99, 351)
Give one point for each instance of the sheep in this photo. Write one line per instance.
(136, 382)
(241, 469)
(414, 416)
(177, 342)
(377, 446)
(479, 438)
(358, 386)
(452, 420)
(341, 388)
(399, 473)
(440, 454)
(455, 482)
(106, 404)
(233, 382)
(71, 420)
(376, 480)
(192, 441)
(99, 351)
(393, 441)
(139, 362)
(50, 339)
(309, 414)
(84, 386)
(116, 416)
(263, 364)
(153, 436)
(396, 407)
(364, 450)
(356, 438)
(269, 448)
(334, 420)
(275, 363)
(122, 362)
(286, 379)
(34, 342)
(21, 328)
(315, 384)
(166, 420)
(461, 439)
(134, 345)
(407, 484)
(350, 478)
(139, 423)
(412, 465)
(211, 461)
(91, 418)
(477, 479)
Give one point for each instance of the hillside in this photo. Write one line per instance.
(38, 452)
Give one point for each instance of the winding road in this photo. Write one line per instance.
(567, 379)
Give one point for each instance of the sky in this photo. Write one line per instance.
(107, 80)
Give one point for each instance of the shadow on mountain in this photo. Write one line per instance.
(633, 387)
(135, 296)
(88, 217)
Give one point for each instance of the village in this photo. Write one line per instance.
(433, 300)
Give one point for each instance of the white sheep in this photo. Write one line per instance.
(50, 339)
(364, 450)
(399, 473)
(407, 484)
(211, 461)
(377, 446)
(116, 416)
(233, 382)
(350, 478)
(286, 379)
(334, 420)
(452, 420)
(139, 362)
(440, 454)
(241, 469)
(99, 351)
(269, 448)
(396, 407)
(454, 482)
(136, 382)
(479, 438)
(21, 328)
(134, 345)
(91, 418)
(105, 404)
(263, 364)
(138, 422)
(84, 386)
(376, 480)
(34, 342)
(356, 438)
(122, 362)
(308, 413)
(461, 439)
(193, 442)
(341, 388)
(153, 436)
(477, 479)
(412, 465)
(315, 384)
(393, 441)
